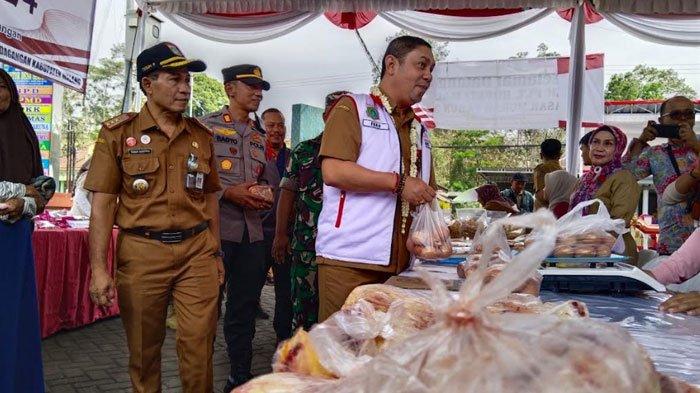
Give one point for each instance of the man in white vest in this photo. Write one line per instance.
(377, 167)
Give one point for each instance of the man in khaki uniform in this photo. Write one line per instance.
(239, 144)
(153, 170)
(550, 152)
(406, 75)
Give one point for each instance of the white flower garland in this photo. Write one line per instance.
(413, 163)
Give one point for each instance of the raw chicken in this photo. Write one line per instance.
(264, 192)
(281, 383)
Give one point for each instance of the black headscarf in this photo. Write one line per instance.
(20, 160)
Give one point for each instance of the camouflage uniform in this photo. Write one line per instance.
(303, 176)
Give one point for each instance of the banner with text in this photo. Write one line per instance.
(36, 97)
(512, 94)
(49, 38)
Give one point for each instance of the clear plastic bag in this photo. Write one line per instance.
(372, 318)
(281, 383)
(429, 236)
(471, 350)
(588, 235)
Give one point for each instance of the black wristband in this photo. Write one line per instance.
(402, 183)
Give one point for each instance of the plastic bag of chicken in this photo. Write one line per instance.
(368, 323)
(581, 234)
(429, 236)
(471, 350)
(281, 383)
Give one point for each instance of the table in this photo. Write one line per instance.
(62, 263)
(672, 340)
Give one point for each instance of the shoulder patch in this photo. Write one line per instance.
(199, 123)
(119, 120)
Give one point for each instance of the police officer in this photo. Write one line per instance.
(154, 170)
(239, 144)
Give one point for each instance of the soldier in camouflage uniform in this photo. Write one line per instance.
(302, 190)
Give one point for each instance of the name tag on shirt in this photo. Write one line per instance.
(141, 150)
(375, 124)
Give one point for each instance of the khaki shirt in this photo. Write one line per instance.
(342, 138)
(538, 174)
(620, 194)
(131, 147)
(240, 157)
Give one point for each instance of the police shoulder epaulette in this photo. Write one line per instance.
(119, 120)
(199, 123)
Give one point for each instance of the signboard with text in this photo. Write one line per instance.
(49, 38)
(36, 97)
(512, 94)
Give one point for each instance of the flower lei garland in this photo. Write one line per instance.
(380, 98)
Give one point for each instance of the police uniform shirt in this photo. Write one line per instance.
(240, 157)
(137, 161)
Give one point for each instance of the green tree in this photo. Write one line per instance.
(542, 51)
(647, 83)
(440, 52)
(207, 95)
(102, 100)
(459, 154)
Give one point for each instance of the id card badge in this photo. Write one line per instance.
(191, 181)
(199, 181)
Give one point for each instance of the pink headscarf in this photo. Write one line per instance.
(592, 180)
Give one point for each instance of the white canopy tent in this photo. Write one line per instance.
(672, 22)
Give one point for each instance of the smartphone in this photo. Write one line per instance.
(670, 131)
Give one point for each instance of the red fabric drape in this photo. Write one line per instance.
(350, 20)
(62, 264)
(591, 15)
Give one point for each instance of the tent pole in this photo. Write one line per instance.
(577, 66)
(135, 48)
(375, 67)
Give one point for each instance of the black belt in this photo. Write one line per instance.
(169, 236)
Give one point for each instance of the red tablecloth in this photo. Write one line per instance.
(62, 263)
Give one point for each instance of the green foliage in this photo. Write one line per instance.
(647, 83)
(207, 95)
(459, 154)
(103, 100)
(440, 51)
(542, 51)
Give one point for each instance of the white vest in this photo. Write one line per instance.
(358, 227)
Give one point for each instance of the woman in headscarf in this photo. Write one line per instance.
(616, 187)
(20, 166)
(559, 185)
(491, 199)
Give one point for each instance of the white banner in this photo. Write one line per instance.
(511, 94)
(49, 38)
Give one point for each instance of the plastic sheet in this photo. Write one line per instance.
(672, 340)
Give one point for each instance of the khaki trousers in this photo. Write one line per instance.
(336, 282)
(149, 274)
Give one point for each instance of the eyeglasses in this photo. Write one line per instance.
(681, 115)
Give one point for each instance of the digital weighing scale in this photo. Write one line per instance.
(585, 275)
(595, 275)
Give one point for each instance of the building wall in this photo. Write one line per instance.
(307, 122)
